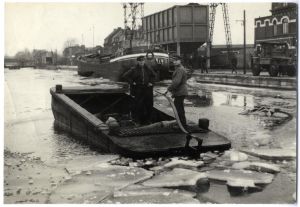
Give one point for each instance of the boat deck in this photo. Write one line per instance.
(82, 111)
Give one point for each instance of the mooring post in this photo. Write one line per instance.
(58, 88)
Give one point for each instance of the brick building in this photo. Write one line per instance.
(70, 53)
(280, 26)
(43, 57)
(116, 43)
(114, 40)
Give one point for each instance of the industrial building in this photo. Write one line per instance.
(179, 29)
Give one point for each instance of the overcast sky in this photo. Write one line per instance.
(49, 25)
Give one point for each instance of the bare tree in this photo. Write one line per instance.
(70, 42)
(24, 57)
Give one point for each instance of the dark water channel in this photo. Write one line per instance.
(28, 121)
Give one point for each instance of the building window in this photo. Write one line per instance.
(274, 27)
(285, 4)
(285, 25)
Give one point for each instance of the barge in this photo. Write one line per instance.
(85, 113)
(114, 68)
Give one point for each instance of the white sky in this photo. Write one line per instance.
(48, 25)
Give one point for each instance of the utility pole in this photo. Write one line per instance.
(244, 48)
(93, 35)
(244, 23)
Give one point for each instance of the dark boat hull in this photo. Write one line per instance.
(73, 118)
(115, 68)
(112, 71)
(12, 67)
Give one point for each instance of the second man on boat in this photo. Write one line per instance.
(178, 88)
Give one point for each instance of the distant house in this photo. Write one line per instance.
(43, 57)
(74, 50)
(70, 53)
(97, 49)
(48, 58)
(280, 26)
(118, 41)
(113, 40)
(10, 62)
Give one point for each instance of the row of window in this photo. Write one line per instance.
(159, 20)
(162, 35)
(285, 26)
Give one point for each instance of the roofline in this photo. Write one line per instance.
(113, 32)
(172, 8)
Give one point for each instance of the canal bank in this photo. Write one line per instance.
(247, 80)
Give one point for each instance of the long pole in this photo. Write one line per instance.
(93, 35)
(244, 23)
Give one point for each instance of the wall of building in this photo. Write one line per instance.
(176, 26)
(271, 28)
(119, 41)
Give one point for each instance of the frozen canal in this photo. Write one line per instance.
(43, 165)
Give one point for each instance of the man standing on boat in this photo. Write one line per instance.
(141, 79)
(152, 64)
(178, 88)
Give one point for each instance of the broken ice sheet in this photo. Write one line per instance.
(176, 177)
(234, 155)
(143, 194)
(257, 166)
(176, 162)
(256, 177)
(272, 154)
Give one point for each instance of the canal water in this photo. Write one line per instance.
(29, 123)
(29, 119)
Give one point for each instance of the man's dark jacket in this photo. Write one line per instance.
(140, 75)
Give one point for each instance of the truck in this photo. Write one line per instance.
(277, 58)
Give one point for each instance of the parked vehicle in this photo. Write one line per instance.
(278, 58)
(101, 116)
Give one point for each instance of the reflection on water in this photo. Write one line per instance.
(203, 98)
(223, 107)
